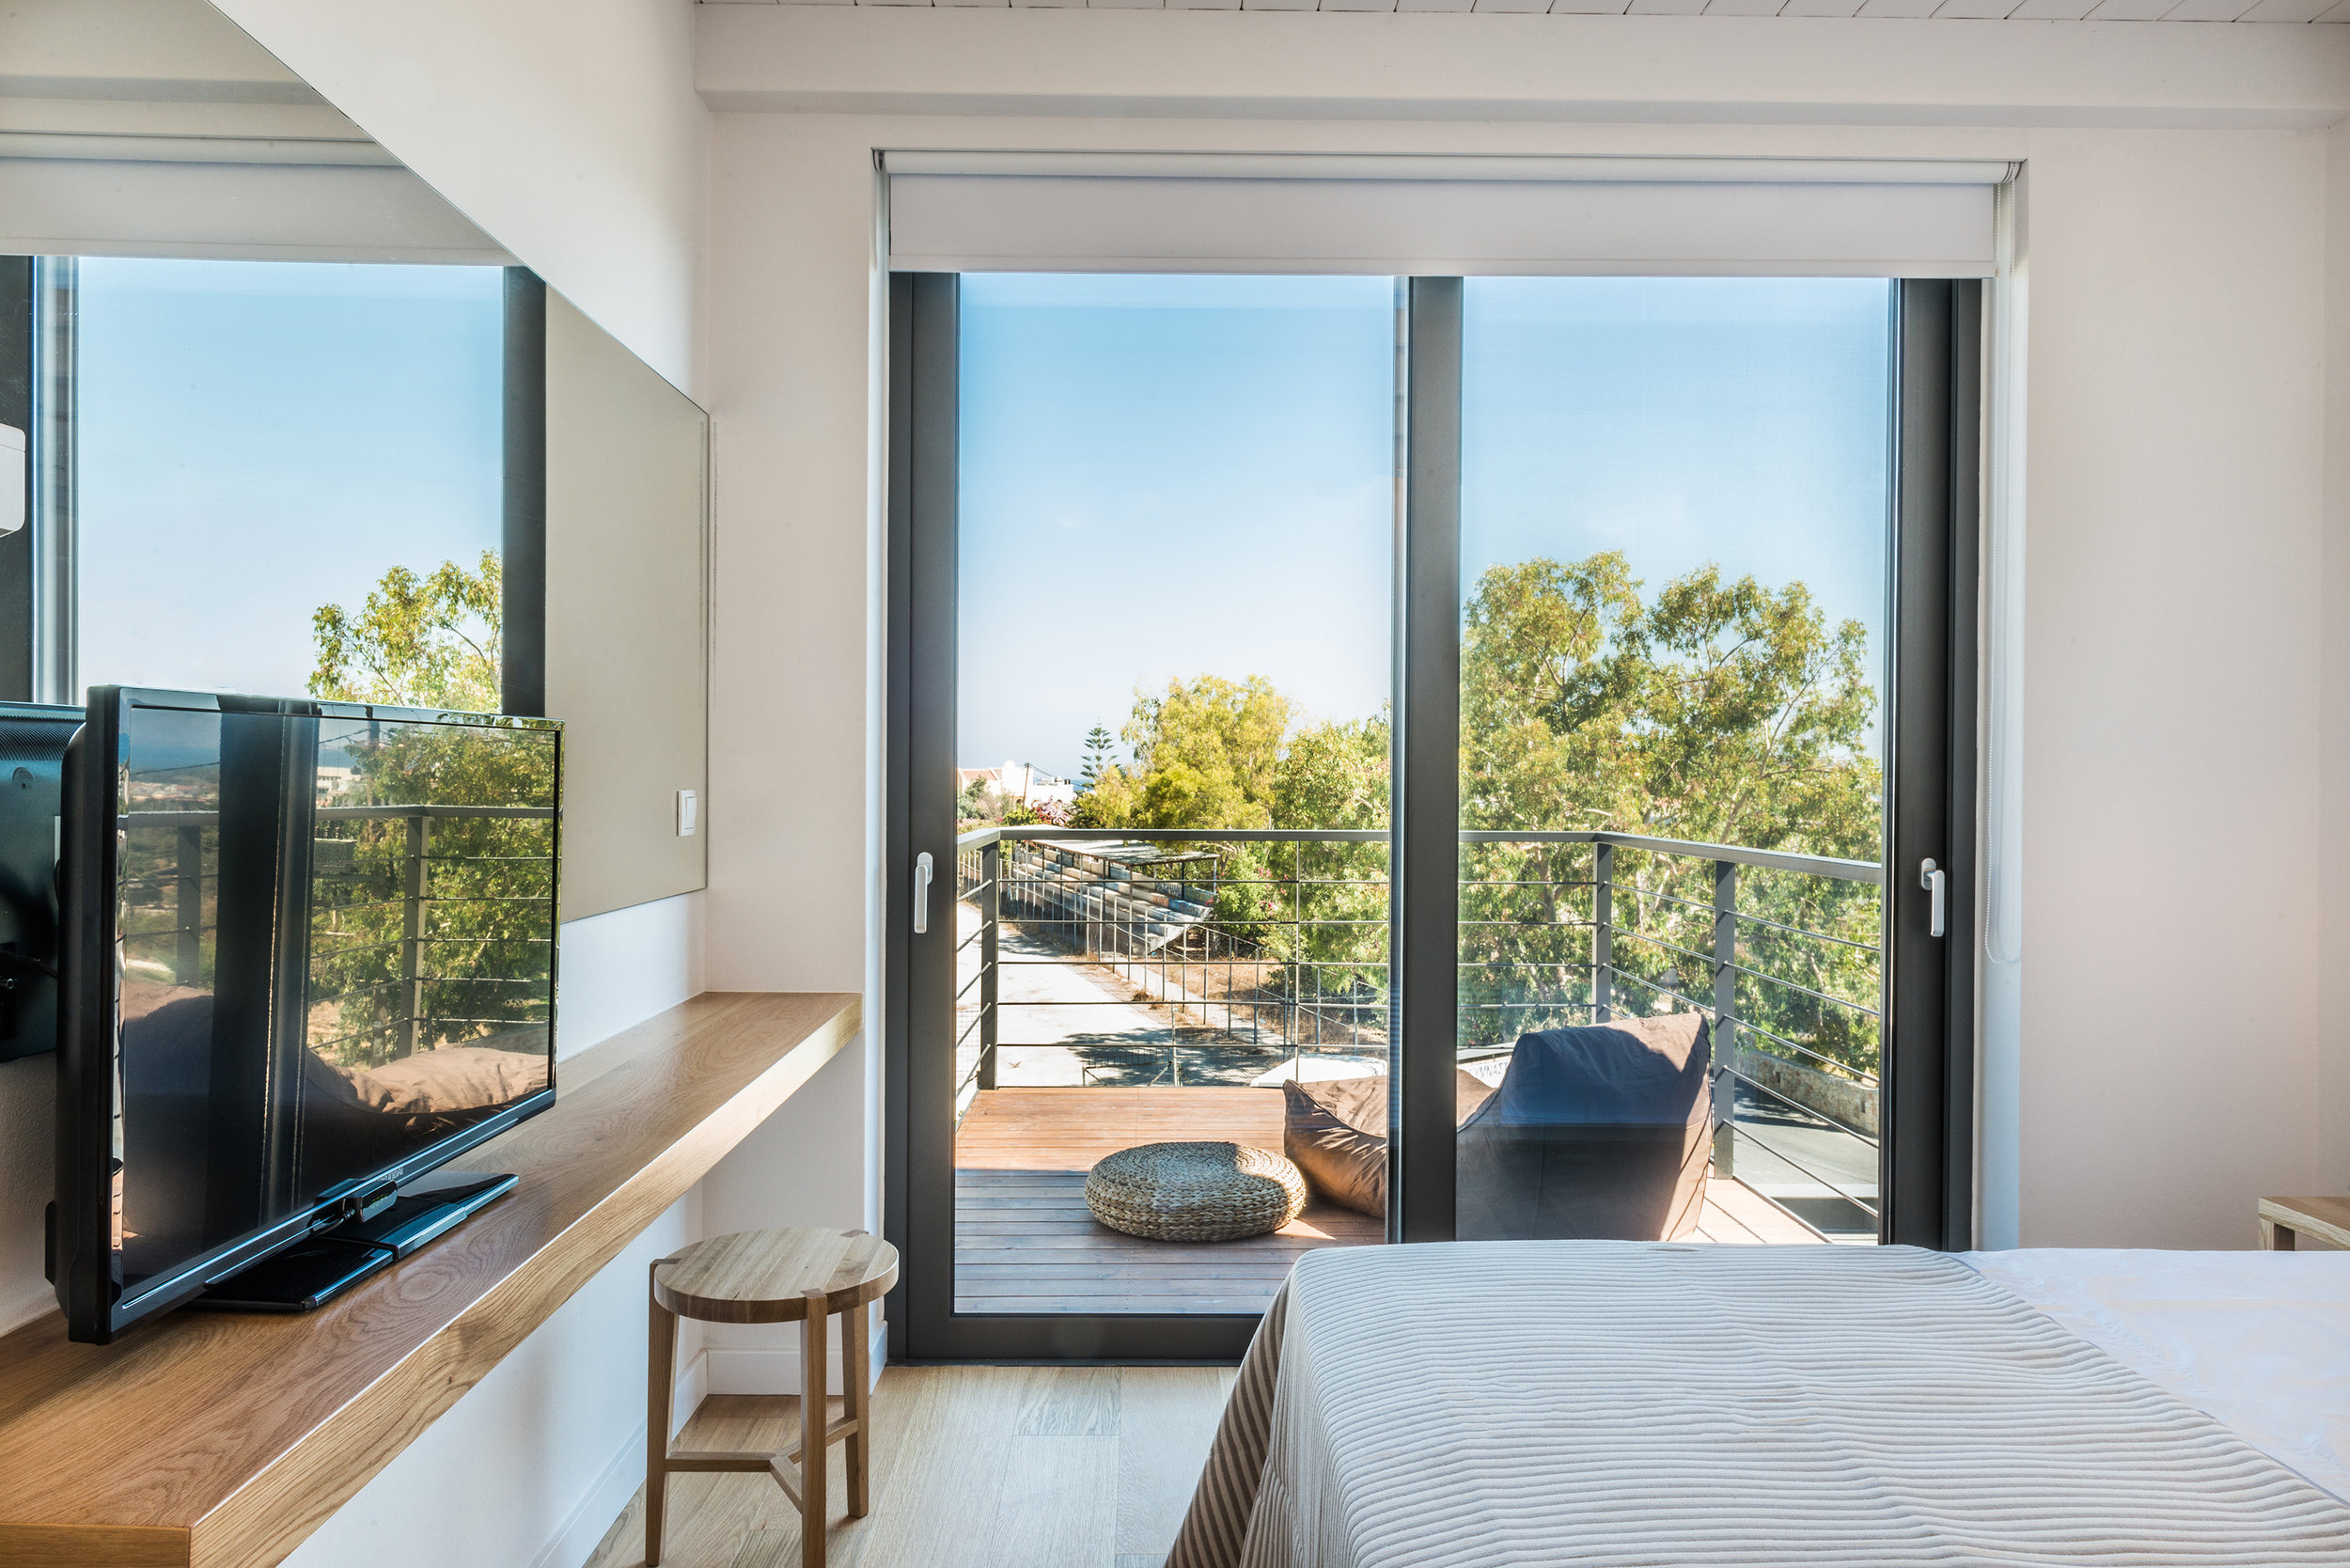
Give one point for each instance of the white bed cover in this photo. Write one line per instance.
(2259, 1340)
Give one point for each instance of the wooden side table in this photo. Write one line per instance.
(802, 1277)
(2285, 1221)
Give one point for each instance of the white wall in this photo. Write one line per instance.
(2333, 1172)
(567, 130)
(2166, 1010)
(2174, 979)
(530, 1468)
(571, 134)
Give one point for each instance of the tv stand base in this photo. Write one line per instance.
(322, 1266)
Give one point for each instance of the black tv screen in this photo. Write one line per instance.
(309, 953)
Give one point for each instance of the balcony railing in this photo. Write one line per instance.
(1262, 954)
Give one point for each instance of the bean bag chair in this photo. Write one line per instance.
(1597, 1133)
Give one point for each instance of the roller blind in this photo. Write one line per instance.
(964, 212)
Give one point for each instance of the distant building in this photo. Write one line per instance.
(1022, 781)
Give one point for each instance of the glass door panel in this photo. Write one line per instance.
(1174, 533)
(1675, 507)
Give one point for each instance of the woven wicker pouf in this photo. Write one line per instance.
(1194, 1191)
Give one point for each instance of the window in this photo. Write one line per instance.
(236, 450)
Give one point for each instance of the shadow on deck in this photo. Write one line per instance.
(1025, 1241)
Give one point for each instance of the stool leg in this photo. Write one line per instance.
(660, 1388)
(857, 1382)
(814, 1419)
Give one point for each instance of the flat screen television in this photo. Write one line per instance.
(33, 739)
(308, 954)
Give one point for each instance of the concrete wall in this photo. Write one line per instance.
(2159, 1064)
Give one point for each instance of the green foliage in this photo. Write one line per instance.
(430, 642)
(1718, 711)
(1207, 754)
(481, 968)
(1216, 753)
(1098, 743)
(1722, 713)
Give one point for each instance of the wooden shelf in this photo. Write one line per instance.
(223, 1440)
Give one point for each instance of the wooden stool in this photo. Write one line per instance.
(774, 1277)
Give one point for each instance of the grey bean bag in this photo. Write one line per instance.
(1598, 1133)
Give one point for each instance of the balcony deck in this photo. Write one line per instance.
(1026, 1242)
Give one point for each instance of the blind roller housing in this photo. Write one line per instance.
(952, 212)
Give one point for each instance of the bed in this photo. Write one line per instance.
(1605, 1402)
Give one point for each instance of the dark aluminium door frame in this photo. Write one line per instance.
(1931, 717)
(1927, 1079)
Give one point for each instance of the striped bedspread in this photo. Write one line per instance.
(1616, 1403)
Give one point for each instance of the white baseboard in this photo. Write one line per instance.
(738, 1370)
(609, 1493)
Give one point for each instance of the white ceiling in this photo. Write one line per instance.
(2337, 12)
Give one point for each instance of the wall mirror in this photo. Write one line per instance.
(295, 425)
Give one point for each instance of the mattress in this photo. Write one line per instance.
(2261, 1340)
(1525, 1403)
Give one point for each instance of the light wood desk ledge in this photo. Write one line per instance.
(217, 1440)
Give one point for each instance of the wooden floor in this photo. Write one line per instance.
(1026, 1242)
(973, 1468)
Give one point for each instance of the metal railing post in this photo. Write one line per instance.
(411, 1036)
(1603, 933)
(189, 877)
(990, 915)
(1725, 1015)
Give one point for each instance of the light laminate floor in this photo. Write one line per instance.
(973, 1468)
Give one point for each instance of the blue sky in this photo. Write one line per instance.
(1165, 476)
(258, 439)
(1162, 476)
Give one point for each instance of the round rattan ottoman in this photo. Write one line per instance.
(1200, 1192)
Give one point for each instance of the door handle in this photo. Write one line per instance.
(922, 893)
(1933, 879)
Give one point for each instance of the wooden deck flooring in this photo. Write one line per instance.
(1026, 1242)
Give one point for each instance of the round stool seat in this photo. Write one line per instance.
(1194, 1191)
(769, 1275)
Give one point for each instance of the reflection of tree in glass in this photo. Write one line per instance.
(1719, 711)
(429, 930)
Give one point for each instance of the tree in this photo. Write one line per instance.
(1207, 753)
(1098, 743)
(1725, 712)
(1720, 711)
(488, 916)
(430, 642)
(1214, 753)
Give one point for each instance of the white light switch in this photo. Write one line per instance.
(688, 813)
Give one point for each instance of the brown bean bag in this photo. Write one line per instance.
(1336, 1133)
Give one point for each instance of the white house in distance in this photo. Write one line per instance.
(1026, 781)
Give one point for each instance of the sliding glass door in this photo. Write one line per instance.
(1674, 507)
(1458, 740)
